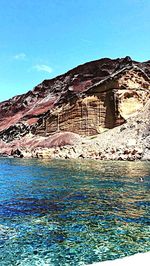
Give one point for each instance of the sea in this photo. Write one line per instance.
(72, 212)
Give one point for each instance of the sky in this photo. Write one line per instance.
(42, 39)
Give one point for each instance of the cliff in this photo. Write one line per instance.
(93, 99)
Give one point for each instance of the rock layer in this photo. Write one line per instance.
(130, 141)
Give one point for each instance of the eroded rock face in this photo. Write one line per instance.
(87, 100)
(130, 141)
(86, 116)
(103, 106)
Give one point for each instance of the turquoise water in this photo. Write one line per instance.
(72, 212)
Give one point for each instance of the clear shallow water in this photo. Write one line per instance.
(72, 212)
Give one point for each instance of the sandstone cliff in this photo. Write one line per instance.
(96, 99)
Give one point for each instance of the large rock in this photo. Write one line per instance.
(101, 99)
(86, 100)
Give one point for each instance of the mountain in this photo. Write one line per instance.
(89, 101)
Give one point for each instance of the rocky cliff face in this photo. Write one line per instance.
(130, 141)
(87, 100)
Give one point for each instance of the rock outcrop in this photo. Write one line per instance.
(92, 111)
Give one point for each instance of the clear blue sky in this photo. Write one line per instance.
(40, 39)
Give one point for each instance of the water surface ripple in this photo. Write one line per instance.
(72, 212)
